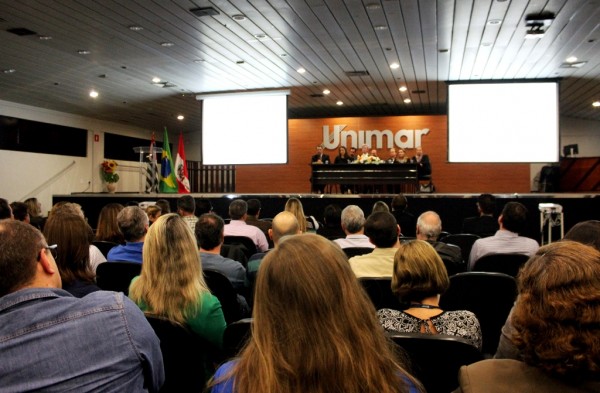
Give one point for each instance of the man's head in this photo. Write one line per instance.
(284, 224)
(133, 223)
(364, 148)
(382, 229)
(25, 259)
(419, 151)
(486, 204)
(353, 151)
(399, 203)
(209, 231)
(186, 206)
(203, 206)
(253, 207)
(401, 153)
(513, 217)
(5, 210)
(353, 219)
(20, 212)
(319, 149)
(586, 232)
(429, 226)
(238, 208)
(392, 153)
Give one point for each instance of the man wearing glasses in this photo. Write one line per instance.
(53, 341)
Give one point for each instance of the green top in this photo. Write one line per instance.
(208, 322)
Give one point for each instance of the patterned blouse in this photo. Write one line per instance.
(461, 323)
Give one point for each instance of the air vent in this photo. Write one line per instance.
(317, 95)
(204, 11)
(21, 31)
(356, 73)
(418, 91)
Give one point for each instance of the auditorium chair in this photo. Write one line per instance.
(117, 276)
(379, 290)
(245, 243)
(464, 241)
(235, 336)
(354, 251)
(104, 246)
(221, 287)
(502, 263)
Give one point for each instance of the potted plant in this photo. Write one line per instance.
(108, 170)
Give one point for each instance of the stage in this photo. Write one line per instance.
(452, 208)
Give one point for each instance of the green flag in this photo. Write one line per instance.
(168, 181)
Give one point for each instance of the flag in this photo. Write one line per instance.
(168, 182)
(152, 168)
(183, 182)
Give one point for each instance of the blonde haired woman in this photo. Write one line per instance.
(294, 206)
(314, 329)
(418, 280)
(171, 284)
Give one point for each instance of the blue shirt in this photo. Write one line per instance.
(130, 252)
(52, 341)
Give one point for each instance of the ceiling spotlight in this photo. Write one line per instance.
(93, 94)
(596, 104)
(44, 37)
(339, 103)
(402, 88)
(494, 22)
(199, 61)
(380, 27)
(83, 52)
(155, 80)
(373, 6)
(301, 70)
(326, 91)
(136, 28)
(571, 59)
(238, 17)
(9, 71)
(180, 117)
(394, 66)
(407, 100)
(166, 44)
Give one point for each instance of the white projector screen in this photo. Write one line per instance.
(503, 122)
(245, 128)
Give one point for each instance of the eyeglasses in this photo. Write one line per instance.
(53, 250)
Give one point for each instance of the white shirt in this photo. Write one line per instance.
(355, 240)
(240, 228)
(503, 242)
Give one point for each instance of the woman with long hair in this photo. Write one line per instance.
(314, 329)
(294, 206)
(171, 284)
(34, 208)
(108, 229)
(72, 235)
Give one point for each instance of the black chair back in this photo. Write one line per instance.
(116, 276)
(436, 359)
(490, 296)
(246, 244)
(501, 263)
(237, 252)
(235, 336)
(464, 241)
(104, 246)
(379, 290)
(186, 356)
(354, 251)
(221, 287)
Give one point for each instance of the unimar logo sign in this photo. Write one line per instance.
(405, 139)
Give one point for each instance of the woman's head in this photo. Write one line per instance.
(72, 234)
(108, 229)
(419, 272)
(557, 314)
(34, 208)
(171, 279)
(153, 212)
(294, 206)
(342, 151)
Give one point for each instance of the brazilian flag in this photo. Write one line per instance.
(168, 181)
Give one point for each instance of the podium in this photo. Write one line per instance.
(141, 150)
(551, 216)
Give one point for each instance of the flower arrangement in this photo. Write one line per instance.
(108, 169)
(368, 159)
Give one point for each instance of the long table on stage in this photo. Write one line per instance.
(400, 177)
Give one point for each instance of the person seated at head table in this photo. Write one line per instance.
(320, 157)
(392, 156)
(401, 157)
(338, 345)
(419, 279)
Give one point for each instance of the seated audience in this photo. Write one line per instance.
(186, 207)
(484, 224)
(382, 230)
(171, 284)
(203, 206)
(5, 210)
(133, 223)
(52, 341)
(380, 206)
(238, 212)
(353, 224)
(556, 322)
(307, 223)
(419, 279)
(72, 235)
(20, 213)
(36, 218)
(332, 223)
(107, 228)
(165, 206)
(512, 221)
(429, 227)
(405, 218)
(308, 338)
(153, 212)
(252, 215)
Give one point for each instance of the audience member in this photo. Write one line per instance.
(429, 227)
(203, 206)
(423, 163)
(107, 228)
(52, 341)
(20, 212)
(405, 218)
(165, 206)
(253, 213)
(153, 212)
(238, 212)
(72, 235)
(5, 210)
(171, 284)
(307, 223)
(380, 206)
(512, 221)
(133, 223)
(484, 224)
(353, 224)
(36, 218)
(382, 230)
(556, 321)
(298, 293)
(332, 223)
(186, 207)
(419, 279)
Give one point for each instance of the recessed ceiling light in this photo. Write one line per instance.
(166, 44)
(339, 103)
(373, 6)
(407, 100)
(380, 27)
(393, 66)
(596, 104)
(571, 59)
(402, 88)
(9, 71)
(240, 62)
(83, 52)
(180, 117)
(486, 44)
(44, 37)
(326, 91)
(443, 50)
(494, 21)
(155, 80)
(136, 28)
(301, 70)
(260, 36)
(239, 17)
(198, 61)
(93, 94)
(282, 54)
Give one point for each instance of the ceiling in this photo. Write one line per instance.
(344, 46)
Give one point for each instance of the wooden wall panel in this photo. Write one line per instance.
(306, 134)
